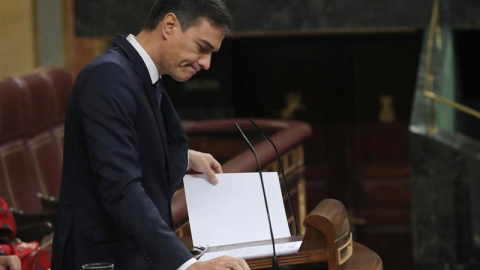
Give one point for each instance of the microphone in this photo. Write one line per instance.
(285, 184)
(274, 258)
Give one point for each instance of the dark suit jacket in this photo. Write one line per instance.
(123, 161)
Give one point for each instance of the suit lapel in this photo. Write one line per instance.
(142, 71)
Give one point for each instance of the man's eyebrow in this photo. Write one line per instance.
(207, 45)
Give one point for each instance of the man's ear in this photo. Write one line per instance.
(169, 25)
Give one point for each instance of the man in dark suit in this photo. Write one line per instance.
(125, 149)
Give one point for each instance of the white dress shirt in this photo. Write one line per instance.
(152, 69)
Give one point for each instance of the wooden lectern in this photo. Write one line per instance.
(327, 239)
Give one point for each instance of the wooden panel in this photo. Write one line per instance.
(381, 143)
(379, 70)
(384, 194)
(393, 245)
(18, 51)
(381, 199)
(382, 213)
(316, 182)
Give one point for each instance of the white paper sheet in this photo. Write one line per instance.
(234, 211)
(256, 251)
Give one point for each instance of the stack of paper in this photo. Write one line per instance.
(255, 251)
(234, 212)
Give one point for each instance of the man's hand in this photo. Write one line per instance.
(204, 163)
(10, 263)
(224, 262)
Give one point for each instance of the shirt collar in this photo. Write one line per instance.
(152, 69)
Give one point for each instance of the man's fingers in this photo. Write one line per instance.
(233, 263)
(214, 167)
(205, 163)
(217, 168)
(224, 262)
(212, 177)
(209, 164)
(244, 264)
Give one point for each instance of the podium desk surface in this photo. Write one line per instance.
(362, 258)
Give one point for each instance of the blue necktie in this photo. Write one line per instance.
(159, 92)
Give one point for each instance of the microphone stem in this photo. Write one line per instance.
(274, 259)
(285, 184)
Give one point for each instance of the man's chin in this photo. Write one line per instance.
(183, 78)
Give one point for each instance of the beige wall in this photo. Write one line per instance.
(18, 37)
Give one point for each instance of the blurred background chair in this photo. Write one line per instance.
(31, 142)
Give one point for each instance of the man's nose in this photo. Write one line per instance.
(204, 61)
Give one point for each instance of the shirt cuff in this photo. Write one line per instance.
(187, 264)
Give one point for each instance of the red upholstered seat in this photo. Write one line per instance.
(16, 180)
(17, 185)
(62, 82)
(38, 102)
(47, 163)
(32, 112)
(41, 109)
(12, 125)
(58, 133)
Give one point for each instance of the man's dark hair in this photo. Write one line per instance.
(189, 12)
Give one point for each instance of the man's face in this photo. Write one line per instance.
(191, 50)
